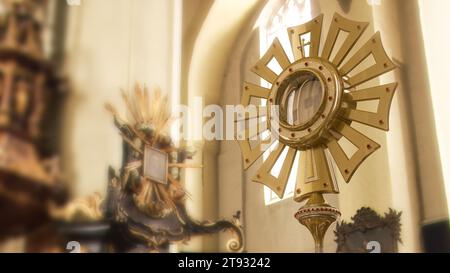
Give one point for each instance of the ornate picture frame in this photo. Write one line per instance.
(156, 165)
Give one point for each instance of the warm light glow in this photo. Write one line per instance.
(435, 21)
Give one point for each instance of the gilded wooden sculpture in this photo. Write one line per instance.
(146, 199)
(144, 209)
(310, 106)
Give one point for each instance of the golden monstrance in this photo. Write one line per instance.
(309, 108)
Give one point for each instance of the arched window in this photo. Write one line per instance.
(273, 23)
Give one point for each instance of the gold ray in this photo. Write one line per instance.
(251, 155)
(146, 105)
(261, 111)
(275, 51)
(253, 90)
(382, 64)
(314, 27)
(366, 146)
(380, 119)
(129, 105)
(354, 29)
(263, 176)
(139, 102)
(314, 174)
(252, 131)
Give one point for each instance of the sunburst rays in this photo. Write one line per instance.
(349, 73)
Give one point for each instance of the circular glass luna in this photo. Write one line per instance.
(300, 98)
(304, 102)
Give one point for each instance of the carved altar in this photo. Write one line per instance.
(28, 171)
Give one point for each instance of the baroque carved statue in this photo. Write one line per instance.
(145, 203)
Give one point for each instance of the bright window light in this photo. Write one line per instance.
(292, 13)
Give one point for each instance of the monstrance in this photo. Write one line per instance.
(309, 108)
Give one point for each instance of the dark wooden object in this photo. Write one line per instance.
(369, 232)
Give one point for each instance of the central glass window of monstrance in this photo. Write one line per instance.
(301, 99)
(304, 100)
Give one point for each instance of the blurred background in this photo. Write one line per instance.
(61, 61)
